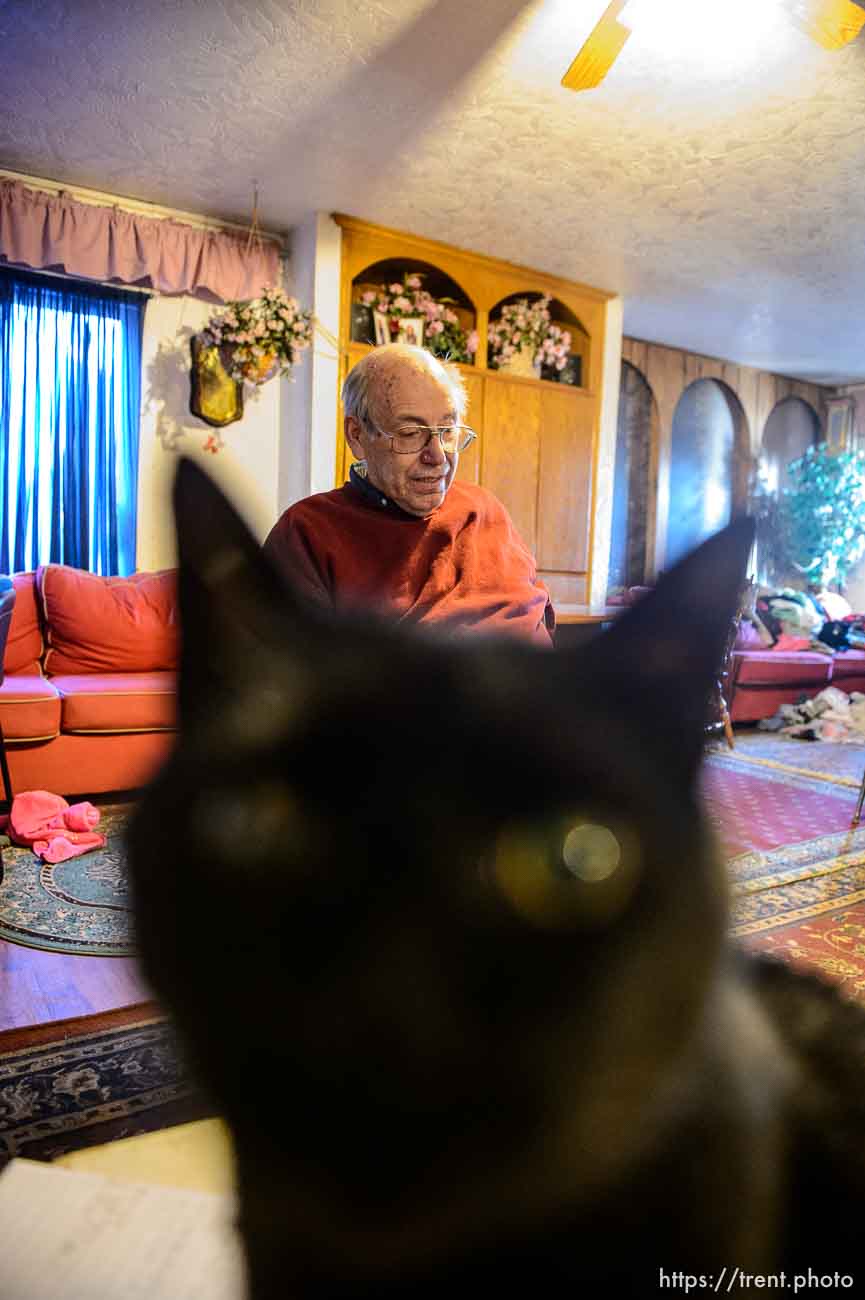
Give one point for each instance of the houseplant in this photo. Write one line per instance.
(259, 338)
(524, 338)
(815, 527)
(407, 313)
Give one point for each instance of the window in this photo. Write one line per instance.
(70, 385)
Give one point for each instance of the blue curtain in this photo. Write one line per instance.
(70, 396)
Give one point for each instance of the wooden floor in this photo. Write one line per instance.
(37, 987)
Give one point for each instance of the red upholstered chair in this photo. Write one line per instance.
(7, 604)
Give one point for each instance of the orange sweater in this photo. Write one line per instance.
(465, 567)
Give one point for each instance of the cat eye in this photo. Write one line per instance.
(574, 873)
(591, 853)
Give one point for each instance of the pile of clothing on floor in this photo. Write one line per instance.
(831, 715)
(795, 620)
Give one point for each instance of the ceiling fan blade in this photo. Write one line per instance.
(831, 23)
(600, 50)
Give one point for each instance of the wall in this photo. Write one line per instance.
(307, 460)
(753, 396)
(857, 392)
(247, 465)
(855, 588)
(669, 371)
(703, 447)
(633, 493)
(605, 462)
(283, 448)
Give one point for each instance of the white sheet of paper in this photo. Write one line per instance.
(78, 1236)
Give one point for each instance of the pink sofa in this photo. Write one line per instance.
(761, 679)
(87, 703)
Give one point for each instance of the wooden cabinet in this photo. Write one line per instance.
(537, 448)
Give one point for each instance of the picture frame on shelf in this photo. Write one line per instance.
(381, 326)
(362, 329)
(410, 329)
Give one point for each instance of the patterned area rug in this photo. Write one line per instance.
(797, 871)
(757, 807)
(806, 904)
(839, 764)
(80, 906)
(78, 1083)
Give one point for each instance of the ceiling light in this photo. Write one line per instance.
(688, 28)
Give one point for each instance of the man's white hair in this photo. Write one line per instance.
(359, 386)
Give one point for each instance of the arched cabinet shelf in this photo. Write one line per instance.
(445, 293)
(538, 439)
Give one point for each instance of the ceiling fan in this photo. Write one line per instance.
(831, 23)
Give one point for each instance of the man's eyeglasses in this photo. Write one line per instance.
(409, 439)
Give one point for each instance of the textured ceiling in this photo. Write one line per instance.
(719, 191)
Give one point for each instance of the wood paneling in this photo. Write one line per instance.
(564, 482)
(469, 466)
(510, 452)
(669, 371)
(744, 385)
(565, 588)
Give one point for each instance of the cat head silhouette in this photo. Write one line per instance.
(430, 912)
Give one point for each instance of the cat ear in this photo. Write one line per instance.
(232, 600)
(664, 655)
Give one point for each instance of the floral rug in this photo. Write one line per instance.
(80, 906)
(78, 1083)
(822, 760)
(805, 903)
(755, 807)
(796, 869)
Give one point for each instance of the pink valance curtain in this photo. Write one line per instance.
(54, 232)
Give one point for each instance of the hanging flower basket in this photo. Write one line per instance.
(256, 371)
(260, 338)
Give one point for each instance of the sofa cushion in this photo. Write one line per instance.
(846, 665)
(108, 625)
(24, 644)
(782, 668)
(29, 708)
(113, 702)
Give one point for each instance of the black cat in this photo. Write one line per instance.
(444, 932)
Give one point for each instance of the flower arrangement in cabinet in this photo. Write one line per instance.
(405, 312)
(524, 339)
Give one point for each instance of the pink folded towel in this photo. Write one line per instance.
(51, 827)
(81, 816)
(60, 846)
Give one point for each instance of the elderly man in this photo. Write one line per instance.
(402, 537)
